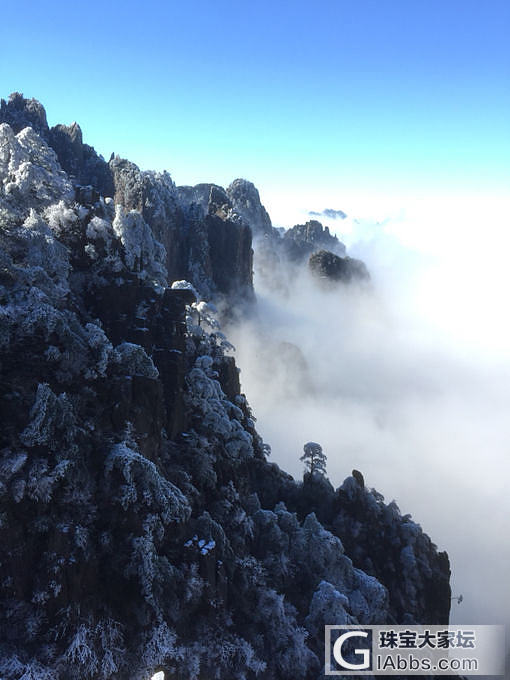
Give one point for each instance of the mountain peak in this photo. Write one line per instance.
(19, 113)
(246, 201)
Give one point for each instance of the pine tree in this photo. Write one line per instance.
(314, 459)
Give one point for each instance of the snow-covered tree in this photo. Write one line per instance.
(161, 540)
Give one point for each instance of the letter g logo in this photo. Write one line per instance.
(365, 653)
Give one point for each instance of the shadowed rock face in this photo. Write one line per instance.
(230, 246)
(330, 267)
(205, 240)
(154, 196)
(141, 526)
(80, 160)
(199, 196)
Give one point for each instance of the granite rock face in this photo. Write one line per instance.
(80, 161)
(310, 243)
(142, 527)
(20, 113)
(331, 267)
(302, 240)
(211, 249)
(206, 241)
(246, 201)
(207, 231)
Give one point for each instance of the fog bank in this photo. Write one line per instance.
(406, 380)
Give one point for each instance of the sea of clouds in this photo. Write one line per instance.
(407, 380)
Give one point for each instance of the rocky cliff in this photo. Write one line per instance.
(309, 244)
(205, 240)
(326, 265)
(142, 527)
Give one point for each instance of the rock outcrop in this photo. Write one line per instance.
(209, 247)
(246, 201)
(304, 239)
(331, 267)
(142, 527)
(20, 113)
(80, 161)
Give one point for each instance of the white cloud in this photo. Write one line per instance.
(408, 383)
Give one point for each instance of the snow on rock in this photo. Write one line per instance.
(135, 360)
(185, 285)
(214, 414)
(142, 528)
(29, 170)
(142, 253)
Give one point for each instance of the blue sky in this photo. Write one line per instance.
(314, 100)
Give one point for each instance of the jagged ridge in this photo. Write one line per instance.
(142, 527)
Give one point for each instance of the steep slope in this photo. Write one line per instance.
(246, 200)
(141, 524)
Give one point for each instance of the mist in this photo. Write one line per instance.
(406, 379)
